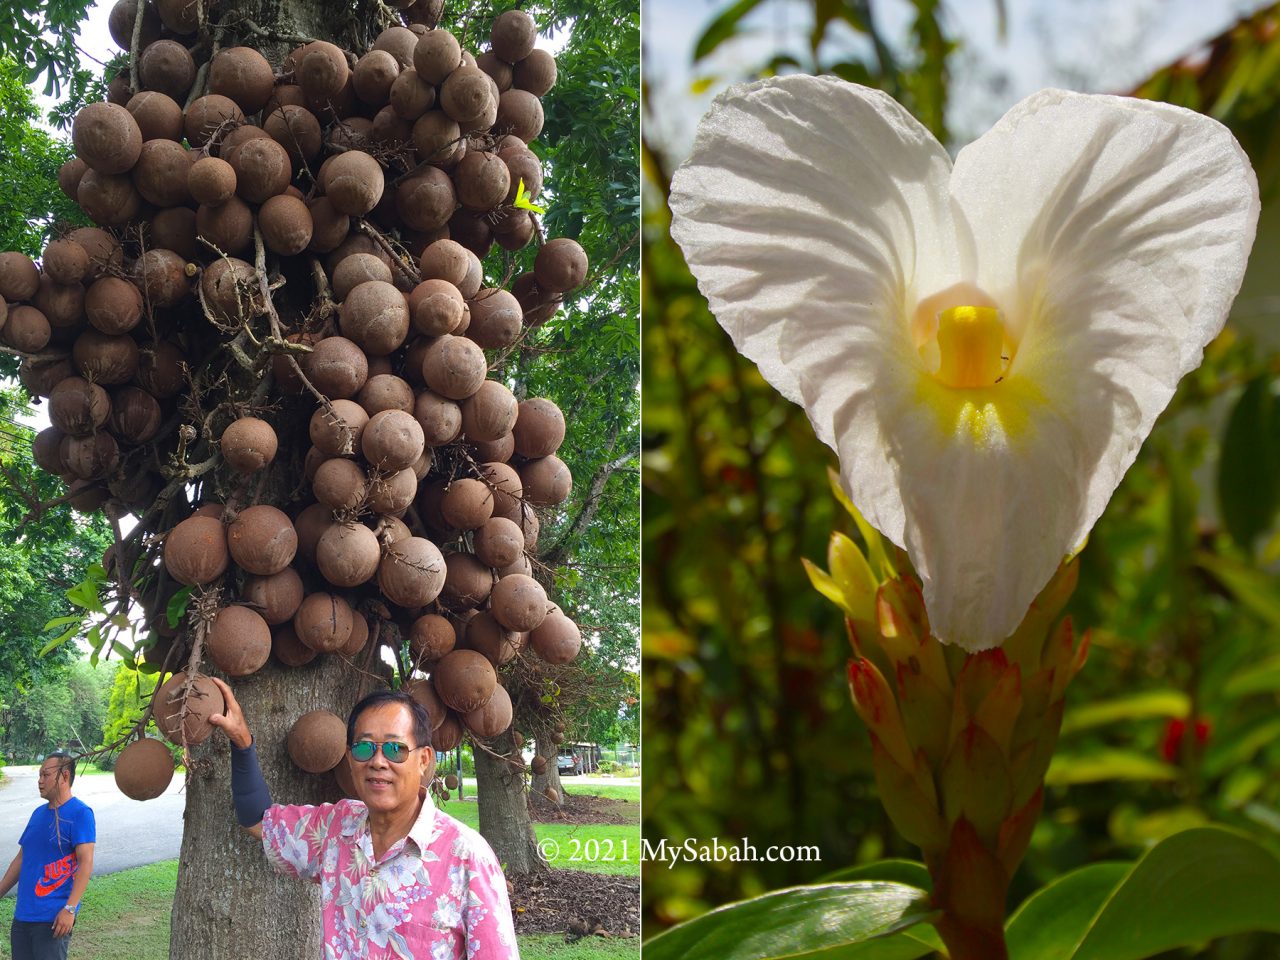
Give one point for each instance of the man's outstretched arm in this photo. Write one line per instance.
(249, 791)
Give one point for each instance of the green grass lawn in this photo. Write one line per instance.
(611, 791)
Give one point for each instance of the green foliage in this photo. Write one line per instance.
(1249, 469)
(40, 36)
(30, 200)
(40, 559)
(130, 693)
(63, 704)
(1195, 886)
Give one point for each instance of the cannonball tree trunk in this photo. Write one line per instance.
(504, 805)
(546, 747)
(229, 904)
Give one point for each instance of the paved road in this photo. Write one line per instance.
(131, 833)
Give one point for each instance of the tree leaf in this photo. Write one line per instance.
(801, 920)
(1255, 589)
(722, 27)
(1194, 886)
(1135, 706)
(1249, 469)
(178, 606)
(1103, 765)
(1261, 677)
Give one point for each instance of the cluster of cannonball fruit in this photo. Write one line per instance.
(378, 184)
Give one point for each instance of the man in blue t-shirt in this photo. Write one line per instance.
(52, 868)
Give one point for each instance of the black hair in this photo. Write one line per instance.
(66, 762)
(421, 719)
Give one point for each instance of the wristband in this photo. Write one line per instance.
(249, 791)
(73, 910)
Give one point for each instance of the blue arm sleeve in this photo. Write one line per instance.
(248, 790)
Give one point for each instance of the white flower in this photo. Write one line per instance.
(984, 344)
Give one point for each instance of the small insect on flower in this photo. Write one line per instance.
(985, 343)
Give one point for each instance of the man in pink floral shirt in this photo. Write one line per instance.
(398, 878)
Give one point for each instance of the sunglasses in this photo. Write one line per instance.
(362, 751)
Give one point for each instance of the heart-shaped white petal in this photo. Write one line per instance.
(1111, 233)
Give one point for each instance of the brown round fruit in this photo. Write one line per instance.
(195, 551)
(518, 603)
(546, 481)
(238, 641)
(561, 265)
(318, 741)
(323, 622)
(19, 278)
(539, 428)
(106, 137)
(243, 75)
(144, 769)
(499, 542)
(262, 540)
(185, 716)
(466, 503)
(276, 597)
(489, 413)
(392, 440)
(375, 315)
(557, 639)
(454, 367)
(492, 718)
(353, 182)
(286, 224)
(467, 582)
(339, 430)
(249, 444)
(412, 572)
(513, 35)
(348, 555)
(340, 484)
(337, 367)
(431, 637)
(465, 680)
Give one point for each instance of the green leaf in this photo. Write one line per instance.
(1262, 677)
(1249, 468)
(61, 622)
(85, 594)
(1101, 765)
(1047, 925)
(723, 27)
(1136, 706)
(1254, 589)
(178, 606)
(802, 920)
(1195, 886)
(910, 872)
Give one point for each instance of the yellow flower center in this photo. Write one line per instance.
(971, 347)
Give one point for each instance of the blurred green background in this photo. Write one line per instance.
(748, 731)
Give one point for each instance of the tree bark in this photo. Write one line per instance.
(504, 806)
(548, 749)
(229, 903)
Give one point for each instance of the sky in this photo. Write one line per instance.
(1099, 46)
